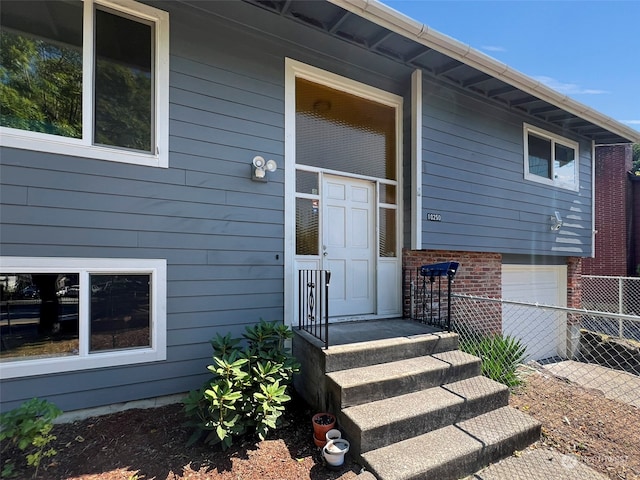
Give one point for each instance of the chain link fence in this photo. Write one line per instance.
(616, 295)
(577, 371)
(558, 339)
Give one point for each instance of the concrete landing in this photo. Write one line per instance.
(370, 330)
(538, 464)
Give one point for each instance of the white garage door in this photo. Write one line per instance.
(542, 331)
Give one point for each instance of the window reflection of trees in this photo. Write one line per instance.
(41, 73)
(41, 87)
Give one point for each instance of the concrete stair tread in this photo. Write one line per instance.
(418, 404)
(401, 368)
(360, 354)
(455, 450)
(377, 373)
(375, 382)
(373, 425)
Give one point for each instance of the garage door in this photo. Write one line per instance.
(542, 331)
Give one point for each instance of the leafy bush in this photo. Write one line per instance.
(28, 428)
(248, 387)
(500, 357)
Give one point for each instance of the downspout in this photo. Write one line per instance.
(416, 160)
(593, 199)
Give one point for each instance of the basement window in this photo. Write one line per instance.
(65, 314)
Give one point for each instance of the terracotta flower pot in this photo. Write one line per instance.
(322, 423)
(319, 442)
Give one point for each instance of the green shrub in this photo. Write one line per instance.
(500, 357)
(248, 388)
(28, 428)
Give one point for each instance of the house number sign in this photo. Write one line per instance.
(434, 217)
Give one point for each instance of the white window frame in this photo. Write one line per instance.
(293, 70)
(553, 138)
(157, 268)
(84, 147)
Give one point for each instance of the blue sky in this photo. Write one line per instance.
(589, 50)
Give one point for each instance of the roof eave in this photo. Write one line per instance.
(387, 17)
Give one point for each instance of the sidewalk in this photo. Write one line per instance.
(614, 384)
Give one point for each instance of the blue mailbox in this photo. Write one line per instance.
(444, 269)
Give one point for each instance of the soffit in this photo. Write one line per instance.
(356, 30)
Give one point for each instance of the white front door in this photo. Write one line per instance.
(348, 245)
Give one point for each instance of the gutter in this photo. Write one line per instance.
(387, 17)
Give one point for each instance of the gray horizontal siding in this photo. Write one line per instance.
(221, 234)
(473, 176)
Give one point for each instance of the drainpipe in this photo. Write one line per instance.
(593, 199)
(416, 160)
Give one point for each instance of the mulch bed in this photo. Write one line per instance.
(151, 443)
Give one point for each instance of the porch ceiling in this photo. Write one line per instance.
(364, 33)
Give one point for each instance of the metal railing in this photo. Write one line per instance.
(427, 293)
(313, 303)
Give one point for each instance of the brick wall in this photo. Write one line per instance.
(479, 273)
(612, 202)
(634, 254)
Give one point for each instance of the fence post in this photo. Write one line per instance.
(620, 301)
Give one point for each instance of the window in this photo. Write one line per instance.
(108, 100)
(61, 314)
(550, 159)
(387, 236)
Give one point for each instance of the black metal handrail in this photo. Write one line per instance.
(423, 299)
(313, 303)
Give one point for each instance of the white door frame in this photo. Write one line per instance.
(295, 69)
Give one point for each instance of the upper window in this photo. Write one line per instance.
(550, 159)
(85, 78)
(60, 314)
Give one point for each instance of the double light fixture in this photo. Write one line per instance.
(259, 168)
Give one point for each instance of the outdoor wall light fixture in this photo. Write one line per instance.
(555, 222)
(260, 166)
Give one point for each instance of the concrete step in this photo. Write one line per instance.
(376, 382)
(455, 451)
(376, 424)
(362, 354)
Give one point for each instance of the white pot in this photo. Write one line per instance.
(334, 451)
(333, 434)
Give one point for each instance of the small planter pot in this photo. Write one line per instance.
(320, 442)
(333, 434)
(334, 451)
(322, 423)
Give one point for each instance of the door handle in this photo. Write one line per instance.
(324, 254)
